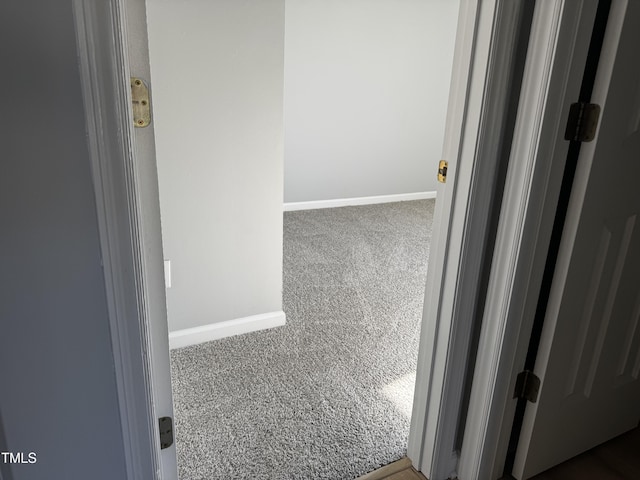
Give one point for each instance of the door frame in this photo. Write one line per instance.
(477, 129)
(605, 64)
(560, 37)
(477, 107)
(128, 212)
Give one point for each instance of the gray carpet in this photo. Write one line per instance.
(328, 396)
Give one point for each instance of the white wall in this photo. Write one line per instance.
(366, 90)
(217, 82)
(58, 394)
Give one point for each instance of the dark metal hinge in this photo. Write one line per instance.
(527, 386)
(166, 432)
(582, 122)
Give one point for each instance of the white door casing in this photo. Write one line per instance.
(556, 57)
(137, 43)
(476, 128)
(112, 47)
(589, 355)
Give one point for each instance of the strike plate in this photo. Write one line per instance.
(442, 171)
(140, 103)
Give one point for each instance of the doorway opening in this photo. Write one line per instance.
(476, 127)
(328, 394)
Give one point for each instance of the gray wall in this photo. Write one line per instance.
(217, 80)
(58, 390)
(366, 91)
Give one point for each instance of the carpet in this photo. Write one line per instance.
(328, 395)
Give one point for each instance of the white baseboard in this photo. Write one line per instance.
(229, 328)
(345, 202)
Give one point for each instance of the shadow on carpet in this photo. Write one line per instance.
(328, 395)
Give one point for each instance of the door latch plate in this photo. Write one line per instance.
(442, 171)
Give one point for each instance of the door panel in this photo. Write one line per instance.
(589, 356)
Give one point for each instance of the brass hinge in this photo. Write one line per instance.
(442, 171)
(582, 122)
(527, 386)
(140, 103)
(166, 432)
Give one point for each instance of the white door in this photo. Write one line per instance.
(145, 160)
(589, 356)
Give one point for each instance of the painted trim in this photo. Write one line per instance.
(347, 202)
(486, 130)
(147, 243)
(553, 72)
(479, 104)
(432, 354)
(102, 64)
(229, 328)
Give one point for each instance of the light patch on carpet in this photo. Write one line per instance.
(400, 393)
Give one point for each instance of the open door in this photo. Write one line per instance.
(589, 355)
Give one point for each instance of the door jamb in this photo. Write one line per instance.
(476, 131)
(105, 75)
(558, 47)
